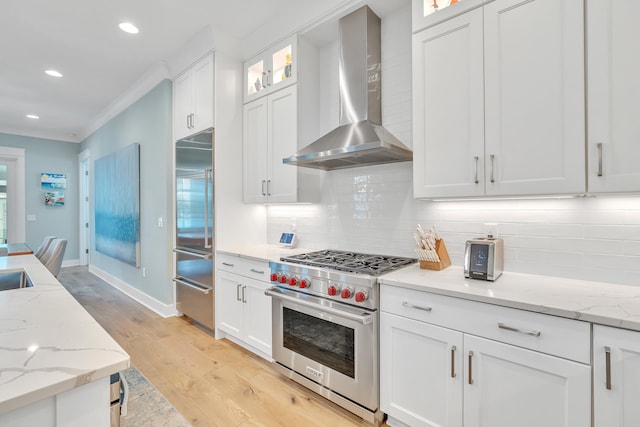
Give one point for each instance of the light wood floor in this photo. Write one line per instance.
(211, 382)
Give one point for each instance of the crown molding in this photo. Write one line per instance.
(141, 87)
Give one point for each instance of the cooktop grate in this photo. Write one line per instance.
(352, 262)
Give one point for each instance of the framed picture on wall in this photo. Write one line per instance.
(53, 180)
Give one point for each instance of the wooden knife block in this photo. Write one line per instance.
(445, 261)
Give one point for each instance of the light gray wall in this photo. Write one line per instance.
(147, 122)
(47, 155)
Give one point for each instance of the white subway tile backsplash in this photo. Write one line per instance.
(371, 209)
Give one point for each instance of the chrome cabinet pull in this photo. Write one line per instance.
(244, 288)
(263, 184)
(269, 78)
(268, 187)
(475, 179)
(493, 164)
(599, 145)
(188, 121)
(227, 264)
(417, 307)
(470, 365)
(264, 84)
(520, 331)
(238, 292)
(607, 361)
(453, 366)
(253, 270)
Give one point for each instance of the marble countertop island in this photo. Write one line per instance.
(595, 302)
(49, 344)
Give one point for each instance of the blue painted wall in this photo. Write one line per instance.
(148, 123)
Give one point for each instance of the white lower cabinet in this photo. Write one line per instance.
(508, 386)
(243, 311)
(616, 377)
(421, 375)
(445, 374)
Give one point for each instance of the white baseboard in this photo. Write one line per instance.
(164, 310)
(70, 262)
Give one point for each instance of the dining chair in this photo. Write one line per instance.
(44, 246)
(52, 258)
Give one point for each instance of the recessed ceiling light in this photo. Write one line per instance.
(128, 28)
(53, 73)
(32, 116)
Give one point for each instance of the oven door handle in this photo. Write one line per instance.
(364, 318)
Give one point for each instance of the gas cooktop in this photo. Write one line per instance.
(352, 262)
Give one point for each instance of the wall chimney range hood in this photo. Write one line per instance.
(360, 139)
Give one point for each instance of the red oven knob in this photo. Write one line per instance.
(293, 281)
(361, 296)
(304, 283)
(282, 279)
(274, 277)
(333, 290)
(346, 293)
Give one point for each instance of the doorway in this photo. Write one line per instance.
(12, 197)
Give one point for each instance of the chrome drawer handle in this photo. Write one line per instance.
(453, 361)
(227, 264)
(607, 353)
(417, 307)
(520, 331)
(253, 270)
(599, 145)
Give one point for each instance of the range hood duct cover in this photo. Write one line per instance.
(360, 139)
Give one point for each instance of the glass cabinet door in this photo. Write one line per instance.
(271, 70)
(256, 79)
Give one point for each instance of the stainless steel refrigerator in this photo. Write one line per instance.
(195, 238)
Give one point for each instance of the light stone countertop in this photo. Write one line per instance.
(263, 252)
(49, 343)
(601, 303)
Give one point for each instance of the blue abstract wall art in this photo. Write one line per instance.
(117, 205)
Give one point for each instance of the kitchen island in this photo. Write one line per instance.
(55, 359)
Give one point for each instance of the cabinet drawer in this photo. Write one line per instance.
(570, 339)
(252, 268)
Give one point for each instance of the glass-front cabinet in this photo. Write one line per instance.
(271, 70)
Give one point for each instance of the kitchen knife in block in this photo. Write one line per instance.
(445, 261)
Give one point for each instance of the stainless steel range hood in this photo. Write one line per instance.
(360, 139)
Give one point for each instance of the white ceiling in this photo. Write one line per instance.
(81, 39)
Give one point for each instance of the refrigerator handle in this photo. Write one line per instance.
(207, 212)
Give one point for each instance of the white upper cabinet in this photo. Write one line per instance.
(271, 134)
(613, 32)
(448, 105)
(534, 97)
(193, 99)
(271, 70)
(499, 101)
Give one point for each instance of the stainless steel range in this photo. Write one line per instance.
(325, 324)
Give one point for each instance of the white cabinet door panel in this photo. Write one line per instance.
(421, 375)
(229, 304)
(283, 142)
(257, 315)
(534, 97)
(617, 406)
(614, 95)
(255, 144)
(448, 125)
(507, 386)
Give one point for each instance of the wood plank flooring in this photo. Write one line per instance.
(211, 382)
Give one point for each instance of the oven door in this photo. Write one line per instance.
(330, 343)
